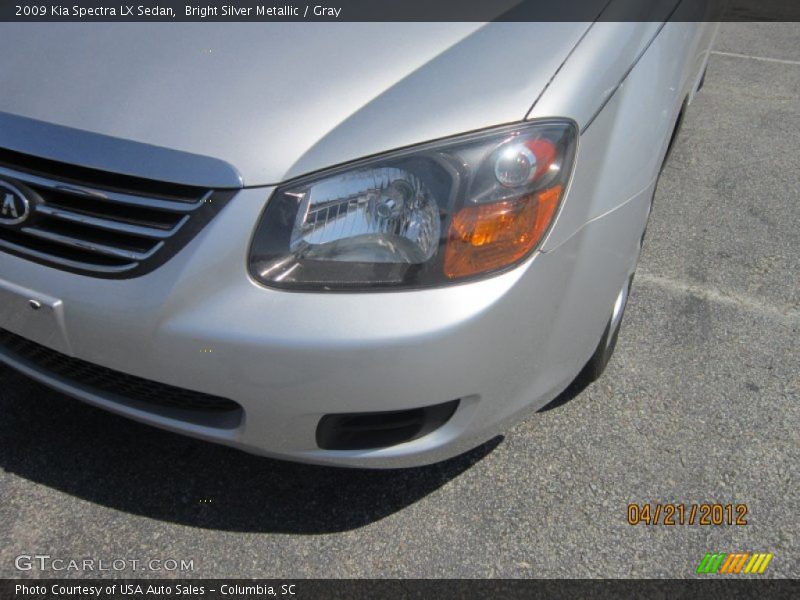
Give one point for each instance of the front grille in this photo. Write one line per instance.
(102, 224)
(104, 382)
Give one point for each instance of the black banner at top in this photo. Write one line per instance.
(396, 10)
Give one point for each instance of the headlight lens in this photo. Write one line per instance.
(382, 215)
(434, 214)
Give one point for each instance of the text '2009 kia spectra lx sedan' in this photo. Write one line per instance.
(374, 248)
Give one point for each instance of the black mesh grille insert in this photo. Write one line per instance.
(104, 381)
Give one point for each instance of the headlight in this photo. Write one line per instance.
(426, 216)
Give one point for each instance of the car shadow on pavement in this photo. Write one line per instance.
(59, 442)
(577, 386)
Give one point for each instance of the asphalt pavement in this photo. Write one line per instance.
(699, 405)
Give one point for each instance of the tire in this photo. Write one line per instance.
(605, 348)
(594, 368)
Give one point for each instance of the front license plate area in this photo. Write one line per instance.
(33, 315)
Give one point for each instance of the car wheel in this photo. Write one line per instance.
(605, 348)
(597, 364)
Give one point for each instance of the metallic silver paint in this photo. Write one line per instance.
(106, 153)
(507, 344)
(275, 100)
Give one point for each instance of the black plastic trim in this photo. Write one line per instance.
(111, 384)
(199, 204)
(370, 430)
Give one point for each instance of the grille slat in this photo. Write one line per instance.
(104, 382)
(104, 193)
(93, 246)
(102, 225)
(69, 264)
(140, 201)
(109, 224)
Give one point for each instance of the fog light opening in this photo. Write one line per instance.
(367, 431)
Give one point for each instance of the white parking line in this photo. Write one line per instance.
(784, 314)
(761, 58)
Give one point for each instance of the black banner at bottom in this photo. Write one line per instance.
(394, 589)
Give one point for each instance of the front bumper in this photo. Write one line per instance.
(501, 346)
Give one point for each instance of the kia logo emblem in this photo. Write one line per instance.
(14, 206)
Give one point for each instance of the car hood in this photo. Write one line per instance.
(270, 101)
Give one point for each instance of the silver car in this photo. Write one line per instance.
(357, 244)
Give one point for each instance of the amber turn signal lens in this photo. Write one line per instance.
(488, 237)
